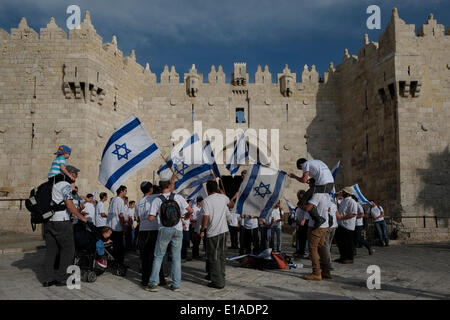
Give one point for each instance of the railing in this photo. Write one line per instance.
(20, 201)
(424, 218)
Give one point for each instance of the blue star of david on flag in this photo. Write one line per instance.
(264, 186)
(184, 166)
(118, 154)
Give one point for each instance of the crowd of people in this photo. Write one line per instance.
(162, 226)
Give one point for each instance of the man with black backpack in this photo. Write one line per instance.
(58, 231)
(168, 208)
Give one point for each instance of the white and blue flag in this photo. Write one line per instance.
(198, 191)
(188, 165)
(240, 154)
(290, 205)
(334, 173)
(357, 192)
(128, 149)
(260, 191)
(208, 157)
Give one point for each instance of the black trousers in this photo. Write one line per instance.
(60, 245)
(358, 238)
(216, 259)
(344, 239)
(251, 236)
(234, 232)
(147, 243)
(195, 239)
(241, 240)
(118, 246)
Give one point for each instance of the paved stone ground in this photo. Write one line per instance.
(407, 272)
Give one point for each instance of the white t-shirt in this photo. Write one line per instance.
(156, 205)
(359, 222)
(319, 171)
(215, 206)
(99, 220)
(61, 191)
(186, 223)
(276, 216)
(375, 212)
(300, 215)
(198, 225)
(143, 211)
(322, 203)
(332, 212)
(116, 207)
(195, 216)
(233, 219)
(250, 223)
(89, 209)
(348, 206)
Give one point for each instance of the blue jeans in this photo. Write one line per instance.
(166, 236)
(380, 226)
(276, 231)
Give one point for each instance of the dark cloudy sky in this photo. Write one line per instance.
(206, 32)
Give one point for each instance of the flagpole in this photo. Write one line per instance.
(171, 169)
(212, 171)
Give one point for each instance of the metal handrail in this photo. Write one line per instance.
(20, 204)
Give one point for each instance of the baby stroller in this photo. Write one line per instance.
(86, 236)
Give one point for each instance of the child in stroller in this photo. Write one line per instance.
(91, 250)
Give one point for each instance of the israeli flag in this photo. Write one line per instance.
(199, 191)
(260, 190)
(188, 165)
(128, 149)
(357, 192)
(334, 173)
(208, 157)
(240, 154)
(290, 205)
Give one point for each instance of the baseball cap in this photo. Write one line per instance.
(62, 149)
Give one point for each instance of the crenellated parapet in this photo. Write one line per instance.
(23, 32)
(431, 28)
(86, 31)
(149, 75)
(52, 31)
(263, 77)
(170, 77)
(216, 77)
(239, 77)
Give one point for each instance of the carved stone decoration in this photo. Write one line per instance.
(173, 102)
(58, 129)
(268, 101)
(100, 133)
(192, 80)
(305, 101)
(210, 102)
(286, 147)
(287, 81)
(3, 128)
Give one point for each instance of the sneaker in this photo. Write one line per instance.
(312, 277)
(173, 288)
(152, 287)
(101, 263)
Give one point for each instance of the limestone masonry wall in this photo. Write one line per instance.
(383, 112)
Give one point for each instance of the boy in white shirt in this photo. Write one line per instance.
(377, 214)
(116, 221)
(100, 211)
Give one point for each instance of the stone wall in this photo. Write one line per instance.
(383, 112)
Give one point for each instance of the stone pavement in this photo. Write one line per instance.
(407, 272)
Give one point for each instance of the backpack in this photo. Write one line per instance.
(40, 204)
(170, 213)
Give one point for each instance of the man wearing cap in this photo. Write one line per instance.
(167, 235)
(346, 215)
(59, 164)
(58, 232)
(148, 233)
(323, 180)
